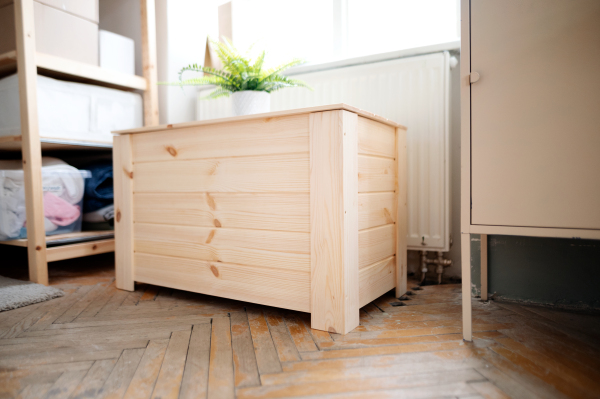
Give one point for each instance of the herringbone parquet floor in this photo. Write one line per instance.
(100, 342)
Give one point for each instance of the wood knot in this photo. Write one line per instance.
(388, 216)
(214, 270)
(217, 223)
(118, 216)
(38, 248)
(94, 247)
(24, 162)
(169, 126)
(210, 201)
(332, 330)
(213, 170)
(210, 236)
(172, 151)
(128, 173)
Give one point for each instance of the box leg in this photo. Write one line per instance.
(402, 212)
(334, 221)
(484, 267)
(466, 286)
(123, 183)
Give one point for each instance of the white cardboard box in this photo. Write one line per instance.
(56, 32)
(71, 111)
(87, 9)
(117, 52)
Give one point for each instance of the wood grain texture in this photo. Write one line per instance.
(375, 280)
(31, 150)
(376, 244)
(401, 212)
(376, 138)
(143, 381)
(257, 211)
(334, 221)
(376, 174)
(195, 377)
(123, 175)
(268, 173)
(244, 360)
(169, 379)
(376, 209)
(268, 136)
(264, 248)
(220, 374)
(264, 348)
(282, 288)
(275, 114)
(413, 351)
(80, 250)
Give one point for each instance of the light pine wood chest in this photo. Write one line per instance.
(301, 209)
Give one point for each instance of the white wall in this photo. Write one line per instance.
(181, 29)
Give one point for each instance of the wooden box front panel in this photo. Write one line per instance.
(224, 209)
(377, 208)
(535, 113)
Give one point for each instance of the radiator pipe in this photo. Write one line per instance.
(439, 261)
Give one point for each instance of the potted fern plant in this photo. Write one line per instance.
(243, 78)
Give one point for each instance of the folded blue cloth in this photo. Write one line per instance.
(99, 188)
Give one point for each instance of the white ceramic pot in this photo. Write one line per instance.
(249, 102)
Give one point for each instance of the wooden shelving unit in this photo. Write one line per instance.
(29, 63)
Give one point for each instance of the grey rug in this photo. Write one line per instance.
(16, 293)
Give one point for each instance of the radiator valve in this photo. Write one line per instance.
(439, 261)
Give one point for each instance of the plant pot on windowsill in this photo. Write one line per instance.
(248, 102)
(244, 79)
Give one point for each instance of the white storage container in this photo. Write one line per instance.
(71, 111)
(117, 52)
(63, 187)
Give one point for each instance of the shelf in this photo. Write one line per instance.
(65, 239)
(62, 68)
(14, 143)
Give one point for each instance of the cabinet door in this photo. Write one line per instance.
(535, 135)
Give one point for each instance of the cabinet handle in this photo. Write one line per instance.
(473, 77)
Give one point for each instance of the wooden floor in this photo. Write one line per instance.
(97, 341)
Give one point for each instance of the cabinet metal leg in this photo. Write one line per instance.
(466, 286)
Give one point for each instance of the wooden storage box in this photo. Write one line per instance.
(300, 209)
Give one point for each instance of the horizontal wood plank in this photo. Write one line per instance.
(264, 211)
(274, 249)
(376, 138)
(268, 173)
(79, 250)
(375, 280)
(273, 287)
(376, 209)
(244, 138)
(376, 174)
(376, 244)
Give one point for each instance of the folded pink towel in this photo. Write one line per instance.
(59, 211)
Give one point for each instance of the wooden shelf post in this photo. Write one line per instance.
(149, 62)
(31, 149)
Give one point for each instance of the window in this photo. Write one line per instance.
(326, 30)
(379, 26)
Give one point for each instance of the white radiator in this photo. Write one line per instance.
(412, 91)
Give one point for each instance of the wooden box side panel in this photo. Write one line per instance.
(377, 209)
(219, 203)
